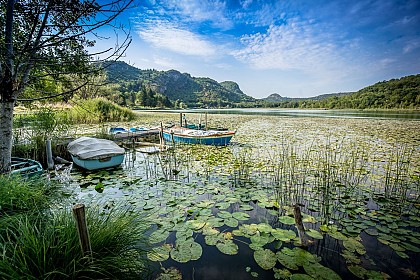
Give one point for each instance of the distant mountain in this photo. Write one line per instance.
(194, 91)
(403, 93)
(275, 97)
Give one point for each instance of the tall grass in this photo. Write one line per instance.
(48, 247)
(40, 242)
(98, 110)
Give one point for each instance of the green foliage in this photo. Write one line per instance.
(48, 247)
(96, 111)
(401, 93)
(19, 195)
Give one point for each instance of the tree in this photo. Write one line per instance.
(46, 40)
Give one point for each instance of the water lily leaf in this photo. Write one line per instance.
(249, 229)
(287, 261)
(319, 271)
(241, 216)
(337, 235)
(215, 222)
(264, 227)
(402, 255)
(410, 247)
(246, 207)
(195, 224)
(231, 222)
(213, 239)
(358, 271)
(224, 214)
(300, 276)
(170, 274)
(222, 205)
(209, 231)
(353, 245)
(266, 259)
(396, 247)
(186, 251)
(227, 247)
(314, 234)
(287, 220)
(308, 218)
(283, 235)
(281, 273)
(383, 229)
(158, 236)
(261, 240)
(99, 187)
(372, 231)
(159, 254)
(350, 257)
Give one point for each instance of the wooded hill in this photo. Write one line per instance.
(181, 89)
(403, 93)
(153, 88)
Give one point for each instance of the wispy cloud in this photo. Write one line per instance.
(166, 35)
(296, 45)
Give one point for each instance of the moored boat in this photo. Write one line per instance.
(93, 153)
(193, 136)
(26, 167)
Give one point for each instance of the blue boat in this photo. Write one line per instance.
(26, 167)
(193, 136)
(117, 130)
(93, 153)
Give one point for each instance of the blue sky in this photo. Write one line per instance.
(293, 48)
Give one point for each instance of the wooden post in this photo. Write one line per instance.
(161, 139)
(50, 161)
(299, 224)
(80, 217)
(180, 119)
(206, 121)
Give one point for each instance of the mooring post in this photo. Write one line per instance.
(80, 217)
(50, 161)
(299, 224)
(161, 139)
(206, 120)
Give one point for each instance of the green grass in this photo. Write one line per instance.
(38, 242)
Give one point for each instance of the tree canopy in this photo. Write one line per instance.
(43, 42)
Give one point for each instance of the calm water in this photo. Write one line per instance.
(212, 174)
(306, 113)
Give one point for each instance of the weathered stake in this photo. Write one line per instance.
(299, 224)
(80, 217)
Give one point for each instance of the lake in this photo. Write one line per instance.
(227, 212)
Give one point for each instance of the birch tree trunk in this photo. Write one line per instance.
(6, 135)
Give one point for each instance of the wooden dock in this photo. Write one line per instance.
(151, 135)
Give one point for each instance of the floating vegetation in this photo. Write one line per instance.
(356, 182)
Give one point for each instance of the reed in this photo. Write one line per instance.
(47, 247)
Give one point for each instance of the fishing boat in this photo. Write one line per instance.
(26, 167)
(93, 153)
(178, 134)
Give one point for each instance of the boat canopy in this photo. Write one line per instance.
(94, 148)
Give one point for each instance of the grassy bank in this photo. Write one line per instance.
(40, 242)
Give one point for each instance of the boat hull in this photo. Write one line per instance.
(95, 164)
(26, 167)
(216, 140)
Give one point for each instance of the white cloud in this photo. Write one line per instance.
(295, 45)
(213, 11)
(167, 36)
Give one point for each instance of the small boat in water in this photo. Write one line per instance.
(117, 130)
(178, 134)
(26, 167)
(93, 153)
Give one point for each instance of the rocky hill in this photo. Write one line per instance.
(193, 91)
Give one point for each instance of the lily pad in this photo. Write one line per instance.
(319, 271)
(241, 216)
(353, 245)
(227, 247)
(282, 273)
(287, 220)
(314, 234)
(159, 254)
(266, 259)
